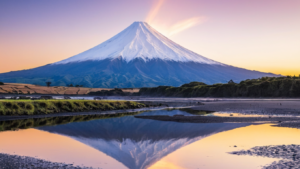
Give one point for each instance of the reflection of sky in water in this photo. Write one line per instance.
(128, 142)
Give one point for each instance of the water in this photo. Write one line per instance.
(129, 142)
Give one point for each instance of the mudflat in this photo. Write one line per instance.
(14, 161)
(283, 113)
(260, 106)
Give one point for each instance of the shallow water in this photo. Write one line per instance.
(128, 142)
(226, 114)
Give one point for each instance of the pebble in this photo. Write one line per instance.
(290, 155)
(22, 162)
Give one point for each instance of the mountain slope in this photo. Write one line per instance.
(139, 56)
(139, 40)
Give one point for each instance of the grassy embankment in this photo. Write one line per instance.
(28, 107)
(262, 87)
(49, 121)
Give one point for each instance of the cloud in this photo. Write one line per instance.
(185, 24)
(170, 29)
(154, 10)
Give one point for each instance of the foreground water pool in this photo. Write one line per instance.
(128, 142)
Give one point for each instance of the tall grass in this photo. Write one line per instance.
(28, 107)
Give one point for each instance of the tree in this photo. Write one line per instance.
(231, 82)
(48, 83)
(71, 85)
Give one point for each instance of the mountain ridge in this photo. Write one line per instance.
(139, 40)
(138, 56)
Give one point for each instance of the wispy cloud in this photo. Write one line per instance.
(185, 24)
(154, 10)
(171, 29)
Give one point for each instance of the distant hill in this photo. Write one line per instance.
(262, 87)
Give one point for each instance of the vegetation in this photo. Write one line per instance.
(192, 84)
(196, 112)
(288, 86)
(1, 83)
(114, 92)
(30, 123)
(29, 107)
(71, 85)
(48, 84)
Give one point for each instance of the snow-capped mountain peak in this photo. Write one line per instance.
(139, 40)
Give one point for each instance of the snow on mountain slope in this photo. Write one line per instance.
(139, 40)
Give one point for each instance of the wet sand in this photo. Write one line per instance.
(216, 119)
(282, 113)
(269, 107)
(14, 162)
(289, 153)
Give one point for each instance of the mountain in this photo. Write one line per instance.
(138, 143)
(139, 56)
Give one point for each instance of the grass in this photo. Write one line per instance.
(38, 107)
(49, 121)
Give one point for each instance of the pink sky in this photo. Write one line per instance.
(259, 35)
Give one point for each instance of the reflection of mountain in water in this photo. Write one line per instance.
(137, 143)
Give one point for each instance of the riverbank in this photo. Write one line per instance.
(14, 162)
(260, 106)
(42, 107)
(289, 154)
(282, 113)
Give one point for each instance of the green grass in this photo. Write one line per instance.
(49, 121)
(29, 107)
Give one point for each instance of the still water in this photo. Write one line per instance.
(129, 142)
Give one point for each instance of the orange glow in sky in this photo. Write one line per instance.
(256, 35)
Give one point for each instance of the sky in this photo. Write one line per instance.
(261, 35)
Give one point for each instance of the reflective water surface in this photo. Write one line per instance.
(129, 142)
